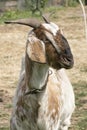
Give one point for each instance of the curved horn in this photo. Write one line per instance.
(28, 22)
(45, 19)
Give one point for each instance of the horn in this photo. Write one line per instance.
(28, 22)
(45, 19)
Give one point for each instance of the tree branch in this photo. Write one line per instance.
(84, 14)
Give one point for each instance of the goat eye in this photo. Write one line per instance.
(45, 40)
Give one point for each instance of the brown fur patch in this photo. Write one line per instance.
(54, 93)
(52, 56)
(36, 50)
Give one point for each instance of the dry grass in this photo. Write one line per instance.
(12, 48)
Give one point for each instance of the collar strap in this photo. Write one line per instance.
(35, 91)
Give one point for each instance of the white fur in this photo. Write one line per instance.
(52, 27)
(57, 81)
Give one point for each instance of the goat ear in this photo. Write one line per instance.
(36, 50)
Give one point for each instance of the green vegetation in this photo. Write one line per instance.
(55, 8)
(13, 15)
(72, 3)
(16, 14)
(80, 115)
(4, 128)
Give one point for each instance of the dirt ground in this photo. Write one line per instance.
(12, 48)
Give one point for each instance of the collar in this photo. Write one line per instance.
(36, 91)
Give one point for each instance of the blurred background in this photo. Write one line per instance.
(68, 15)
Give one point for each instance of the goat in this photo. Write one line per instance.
(44, 98)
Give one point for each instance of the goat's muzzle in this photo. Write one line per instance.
(67, 62)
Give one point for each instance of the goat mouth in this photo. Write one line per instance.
(66, 62)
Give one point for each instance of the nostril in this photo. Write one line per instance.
(69, 59)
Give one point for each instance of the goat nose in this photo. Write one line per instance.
(71, 61)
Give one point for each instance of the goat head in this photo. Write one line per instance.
(57, 50)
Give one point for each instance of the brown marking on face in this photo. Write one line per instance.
(64, 59)
(52, 56)
(61, 42)
(40, 33)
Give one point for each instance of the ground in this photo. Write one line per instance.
(12, 48)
